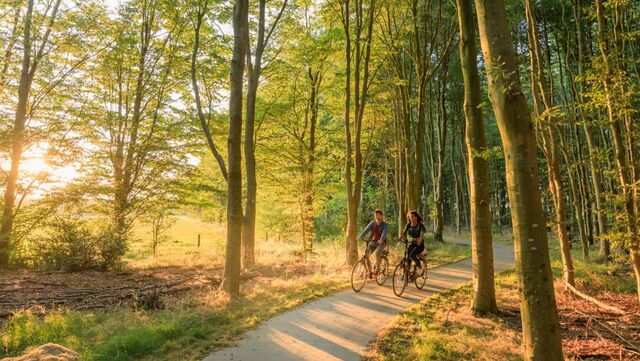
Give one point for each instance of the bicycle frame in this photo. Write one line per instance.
(367, 253)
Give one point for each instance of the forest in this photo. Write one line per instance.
(175, 173)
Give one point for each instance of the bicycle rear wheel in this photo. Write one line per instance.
(383, 270)
(359, 275)
(400, 279)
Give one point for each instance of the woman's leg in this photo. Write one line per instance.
(414, 254)
(412, 247)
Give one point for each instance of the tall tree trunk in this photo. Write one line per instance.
(231, 280)
(484, 295)
(620, 153)
(254, 71)
(596, 172)
(24, 88)
(361, 75)
(541, 330)
(542, 103)
(315, 78)
(438, 226)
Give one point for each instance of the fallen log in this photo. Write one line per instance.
(593, 300)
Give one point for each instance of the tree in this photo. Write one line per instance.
(362, 33)
(231, 280)
(544, 112)
(624, 149)
(30, 63)
(142, 144)
(541, 330)
(254, 71)
(484, 296)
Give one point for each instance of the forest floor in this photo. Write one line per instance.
(167, 308)
(443, 328)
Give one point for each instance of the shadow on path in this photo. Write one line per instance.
(338, 327)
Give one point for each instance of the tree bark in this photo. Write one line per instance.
(24, 89)
(30, 62)
(542, 103)
(620, 153)
(231, 280)
(254, 71)
(361, 75)
(541, 330)
(196, 93)
(484, 295)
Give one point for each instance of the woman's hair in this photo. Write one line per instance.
(415, 213)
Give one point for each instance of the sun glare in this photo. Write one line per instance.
(34, 164)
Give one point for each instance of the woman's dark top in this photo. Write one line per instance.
(414, 231)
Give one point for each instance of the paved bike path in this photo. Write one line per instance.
(338, 327)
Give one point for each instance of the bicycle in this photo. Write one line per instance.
(362, 269)
(402, 275)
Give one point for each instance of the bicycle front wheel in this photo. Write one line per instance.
(358, 275)
(400, 279)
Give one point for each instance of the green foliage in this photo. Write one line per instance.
(70, 244)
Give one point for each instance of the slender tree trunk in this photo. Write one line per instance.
(24, 88)
(543, 103)
(442, 141)
(30, 62)
(254, 71)
(196, 93)
(231, 280)
(315, 78)
(619, 148)
(361, 73)
(541, 330)
(484, 295)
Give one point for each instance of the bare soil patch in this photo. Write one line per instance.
(41, 291)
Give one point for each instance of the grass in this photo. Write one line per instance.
(443, 328)
(192, 326)
(180, 246)
(596, 274)
(504, 238)
(188, 329)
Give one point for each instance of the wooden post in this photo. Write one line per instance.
(198, 240)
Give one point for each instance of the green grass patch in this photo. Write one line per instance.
(443, 328)
(596, 274)
(443, 252)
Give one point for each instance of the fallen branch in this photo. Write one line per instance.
(592, 299)
(628, 344)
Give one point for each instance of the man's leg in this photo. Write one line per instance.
(370, 249)
(379, 250)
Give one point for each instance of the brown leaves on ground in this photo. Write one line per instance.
(89, 290)
(592, 333)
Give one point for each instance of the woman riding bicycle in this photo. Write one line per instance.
(414, 230)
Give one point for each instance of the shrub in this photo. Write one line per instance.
(70, 245)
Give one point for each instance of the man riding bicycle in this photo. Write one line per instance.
(378, 238)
